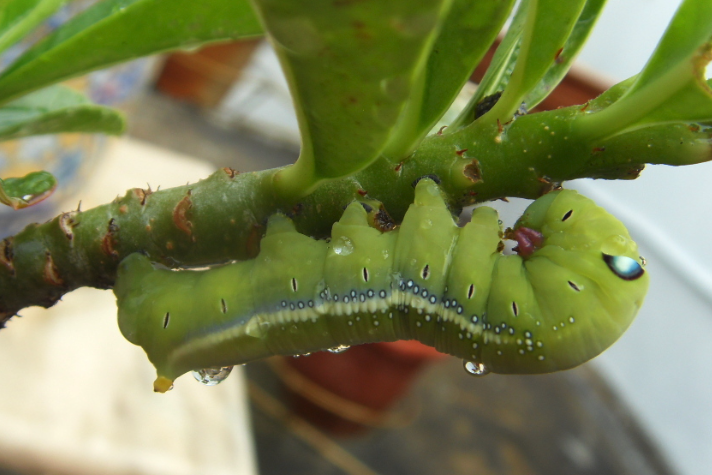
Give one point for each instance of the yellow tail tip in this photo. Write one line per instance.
(162, 384)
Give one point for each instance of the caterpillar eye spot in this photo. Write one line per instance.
(624, 267)
(567, 215)
(166, 320)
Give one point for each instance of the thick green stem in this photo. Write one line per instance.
(223, 217)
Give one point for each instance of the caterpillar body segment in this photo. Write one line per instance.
(573, 289)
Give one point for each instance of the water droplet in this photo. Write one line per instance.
(643, 261)
(212, 376)
(475, 369)
(343, 246)
(385, 254)
(338, 349)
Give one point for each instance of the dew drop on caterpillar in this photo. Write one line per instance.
(573, 288)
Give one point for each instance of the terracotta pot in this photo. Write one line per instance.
(349, 392)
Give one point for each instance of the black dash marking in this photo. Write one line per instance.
(567, 215)
(365, 274)
(224, 305)
(367, 207)
(471, 291)
(574, 286)
(426, 271)
(515, 309)
(294, 284)
(166, 319)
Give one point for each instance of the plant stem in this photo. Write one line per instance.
(223, 217)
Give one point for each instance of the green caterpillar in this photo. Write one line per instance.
(573, 288)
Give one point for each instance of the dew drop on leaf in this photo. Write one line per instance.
(338, 349)
(475, 369)
(212, 376)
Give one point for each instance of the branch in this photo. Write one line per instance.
(223, 216)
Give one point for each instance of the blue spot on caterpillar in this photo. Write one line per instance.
(572, 290)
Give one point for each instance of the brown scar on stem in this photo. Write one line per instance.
(398, 168)
(547, 185)
(253, 240)
(107, 242)
(50, 273)
(230, 172)
(634, 172)
(296, 210)
(473, 171)
(67, 224)
(596, 150)
(461, 152)
(440, 132)
(180, 218)
(142, 194)
(123, 209)
(7, 254)
(361, 192)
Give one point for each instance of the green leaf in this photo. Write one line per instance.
(468, 31)
(351, 66)
(56, 109)
(29, 190)
(119, 30)
(17, 17)
(526, 61)
(672, 85)
(548, 25)
(565, 57)
(499, 70)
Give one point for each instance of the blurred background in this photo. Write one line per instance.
(77, 397)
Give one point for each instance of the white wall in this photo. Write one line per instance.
(661, 366)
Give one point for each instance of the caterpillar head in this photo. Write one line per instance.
(575, 223)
